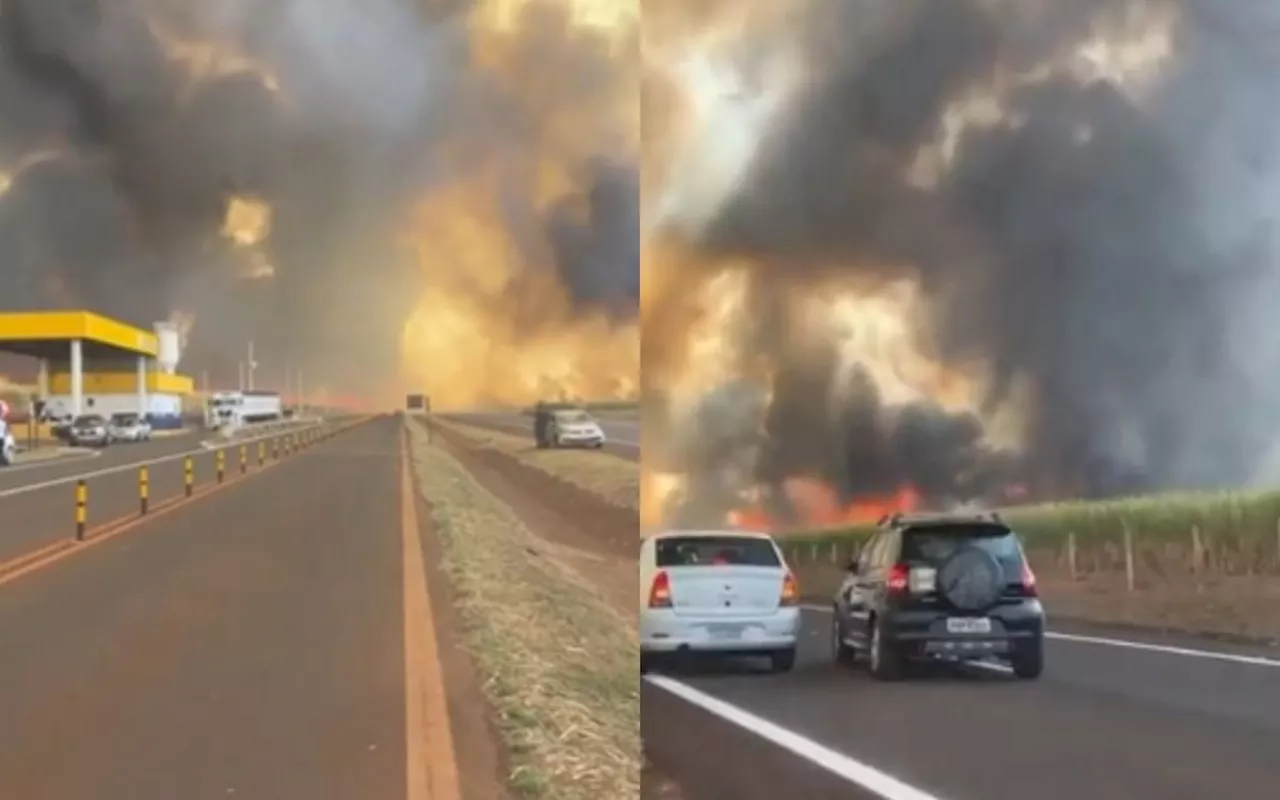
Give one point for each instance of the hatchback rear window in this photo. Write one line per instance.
(934, 544)
(694, 551)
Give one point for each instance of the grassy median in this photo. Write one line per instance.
(605, 475)
(559, 664)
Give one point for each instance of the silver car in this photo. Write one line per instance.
(89, 430)
(127, 427)
(575, 428)
(717, 592)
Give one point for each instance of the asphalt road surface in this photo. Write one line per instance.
(248, 644)
(37, 501)
(623, 434)
(1111, 719)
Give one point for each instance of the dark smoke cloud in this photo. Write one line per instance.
(597, 248)
(1118, 257)
(125, 219)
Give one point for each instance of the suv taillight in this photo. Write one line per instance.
(1029, 581)
(898, 579)
(660, 591)
(790, 591)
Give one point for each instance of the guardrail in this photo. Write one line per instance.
(281, 446)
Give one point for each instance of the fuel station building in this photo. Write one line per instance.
(89, 363)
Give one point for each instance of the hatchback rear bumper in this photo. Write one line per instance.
(662, 631)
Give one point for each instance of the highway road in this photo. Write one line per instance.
(37, 500)
(250, 643)
(623, 434)
(1111, 719)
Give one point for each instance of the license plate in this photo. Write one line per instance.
(725, 631)
(968, 625)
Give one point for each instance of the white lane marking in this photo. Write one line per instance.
(1128, 644)
(868, 777)
(34, 487)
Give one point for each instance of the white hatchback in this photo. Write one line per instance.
(717, 592)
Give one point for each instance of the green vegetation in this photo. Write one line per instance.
(1244, 523)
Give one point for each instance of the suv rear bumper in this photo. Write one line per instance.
(925, 634)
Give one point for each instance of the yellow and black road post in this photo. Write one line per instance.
(82, 508)
(189, 476)
(221, 464)
(275, 448)
(262, 453)
(244, 459)
(144, 489)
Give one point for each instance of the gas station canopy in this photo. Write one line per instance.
(70, 337)
(48, 335)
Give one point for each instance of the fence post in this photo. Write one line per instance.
(82, 508)
(1072, 562)
(1129, 578)
(144, 490)
(189, 477)
(1197, 549)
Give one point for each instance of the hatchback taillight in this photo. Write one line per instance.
(660, 591)
(790, 591)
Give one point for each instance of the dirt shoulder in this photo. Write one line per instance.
(558, 658)
(607, 476)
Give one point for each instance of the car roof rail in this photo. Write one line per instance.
(890, 520)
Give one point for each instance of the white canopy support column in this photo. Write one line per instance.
(77, 377)
(142, 386)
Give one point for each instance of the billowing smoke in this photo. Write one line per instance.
(1083, 197)
(130, 131)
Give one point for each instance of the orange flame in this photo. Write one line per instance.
(817, 504)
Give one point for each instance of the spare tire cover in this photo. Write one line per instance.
(971, 579)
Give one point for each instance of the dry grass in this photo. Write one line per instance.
(614, 479)
(559, 663)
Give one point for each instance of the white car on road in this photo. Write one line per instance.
(717, 592)
(8, 447)
(574, 427)
(125, 427)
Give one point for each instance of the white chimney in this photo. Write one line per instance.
(169, 349)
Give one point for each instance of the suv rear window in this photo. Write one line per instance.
(933, 544)
(694, 551)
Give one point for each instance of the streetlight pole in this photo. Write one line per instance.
(252, 365)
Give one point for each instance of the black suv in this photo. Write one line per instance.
(955, 588)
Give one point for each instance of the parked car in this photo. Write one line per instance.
(571, 427)
(930, 587)
(127, 427)
(89, 430)
(8, 447)
(717, 592)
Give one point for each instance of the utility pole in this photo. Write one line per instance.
(253, 365)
